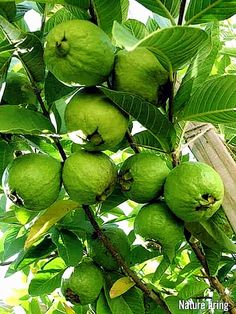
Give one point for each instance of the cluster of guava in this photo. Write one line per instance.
(79, 53)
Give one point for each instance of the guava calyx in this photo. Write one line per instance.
(71, 296)
(125, 180)
(62, 47)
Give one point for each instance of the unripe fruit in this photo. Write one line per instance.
(33, 181)
(79, 52)
(89, 178)
(93, 121)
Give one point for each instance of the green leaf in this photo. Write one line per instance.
(161, 268)
(202, 11)
(123, 37)
(103, 9)
(213, 258)
(167, 8)
(45, 282)
(192, 289)
(34, 306)
(219, 235)
(213, 102)
(69, 247)
(65, 14)
(139, 254)
(35, 253)
(129, 303)
(13, 243)
(28, 48)
(147, 140)
(8, 9)
(102, 306)
(30, 52)
(152, 25)
(200, 67)
(179, 44)
(18, 120)
(48, 218)
(6, 156)
(147, 114)
(54, 89)
(115, 199)
(136, 28)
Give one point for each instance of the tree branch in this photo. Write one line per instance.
(214, 281)
(181, 12)
(132, 143)
(152, 294)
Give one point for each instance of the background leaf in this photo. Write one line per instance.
(18, 120)
(202, 11)
(136, 28)
(103, 9)
(48, 218)
(166, 8)
(200, 67)
(122, 36)
(179, 44)
(69, 247)
(45, 282)
(213, 102)
(120, 286)
(192, 289)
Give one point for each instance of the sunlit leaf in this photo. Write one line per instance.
(120, 287)
(48, 218)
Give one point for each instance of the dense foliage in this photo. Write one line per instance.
(75, 182)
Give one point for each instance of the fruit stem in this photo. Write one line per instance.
(214, 281)
(155, 296)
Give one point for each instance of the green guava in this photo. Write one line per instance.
(33, 181)
(99, 252)
(194, 191)
(89, 177)
(18, 90)
(156, 222)
(139, 72)
(142, 177)
(94, 122)
(79, 52)
(84, 283)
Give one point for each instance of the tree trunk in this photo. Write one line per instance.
(207, 146)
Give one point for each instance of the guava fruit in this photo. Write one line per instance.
(33, 181)
(94, 122)
(84, 283)
(194, 191)
(18, 90)
(139, 72)
(99, 253)
(142, 177)
(155, 221)
(89, 177)
(79, 52)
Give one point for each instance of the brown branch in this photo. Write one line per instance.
(152, 294)
(132, 143)
(214, 281)
(181, 12)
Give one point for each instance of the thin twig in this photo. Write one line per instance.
(214, 281)
(152, 294)
(46, 114)
(132, 143)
